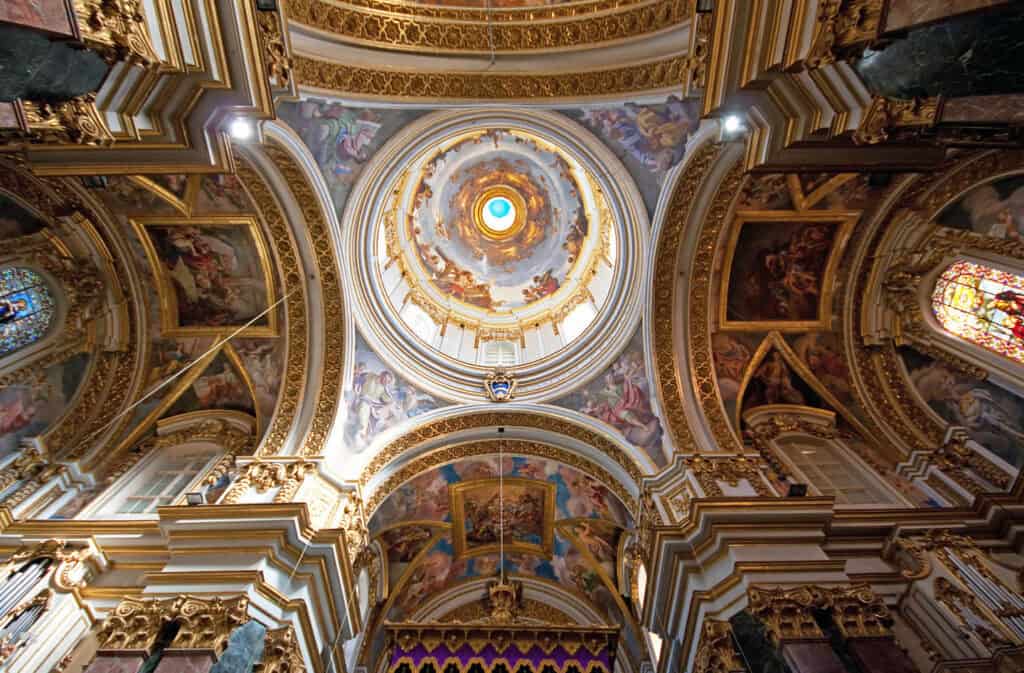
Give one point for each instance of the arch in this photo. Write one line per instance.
(982, 305)
(538, 430)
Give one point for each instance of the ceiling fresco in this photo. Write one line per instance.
(379, 399)
(620, 396)
(650, 139)
(200, 247)
(439, 530)
(538, 192)
(343, 138)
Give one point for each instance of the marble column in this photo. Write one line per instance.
(880, 655)
(186, 661)
(125, 661)
(811, 656)
(903, 14)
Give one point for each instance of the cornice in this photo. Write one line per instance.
(415, 27)
(413, 85)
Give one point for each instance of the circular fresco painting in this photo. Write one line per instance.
(498, 222)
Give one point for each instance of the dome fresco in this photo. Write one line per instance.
(501, 221)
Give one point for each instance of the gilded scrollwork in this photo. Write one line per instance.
(75, 121)
(666, 367)
(205, 623)
(787, 612)
(408, 26)
(281, 653)
(844, 28)
(263, 475)
(716, 652)
(275, 48)
(356, 80)
(728, 469)
(895, 119)
(116, 29)
(333, 339)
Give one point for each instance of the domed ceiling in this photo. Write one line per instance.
(486, 241)
(500, 229)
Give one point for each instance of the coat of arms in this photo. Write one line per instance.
(499, 386)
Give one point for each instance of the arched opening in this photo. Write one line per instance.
(982, 305)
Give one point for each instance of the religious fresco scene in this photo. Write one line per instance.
(521, 336)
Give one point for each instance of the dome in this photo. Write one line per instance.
(498, 245)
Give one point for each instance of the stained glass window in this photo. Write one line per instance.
(26, 308)
(982, 305)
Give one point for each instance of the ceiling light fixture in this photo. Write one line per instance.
(241, 128)
(732, 124)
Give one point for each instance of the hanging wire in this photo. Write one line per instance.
(181, 372)
(490, 33)
(501, 508)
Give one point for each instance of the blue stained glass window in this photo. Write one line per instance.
(26, 308)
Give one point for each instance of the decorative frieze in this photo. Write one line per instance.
(76, 121)
(844, 28)
(730, 470)
(281, 653)
(263, 475)
(204, 623)
(787, 612)
(716, 652)
(897, 119)
(116, 29)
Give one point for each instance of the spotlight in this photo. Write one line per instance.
(732, 124)
(241, 128)
(195, 498)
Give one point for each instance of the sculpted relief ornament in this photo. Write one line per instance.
(205, 623)
(786, 612)
(263, 475)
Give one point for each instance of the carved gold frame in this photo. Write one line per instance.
(846, 219)
(170, 324)
(457, 494)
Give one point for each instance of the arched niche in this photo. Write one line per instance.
(812, 451)
(188, 453)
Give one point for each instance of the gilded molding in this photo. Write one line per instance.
(896, 119)
(355, 80)
(716, 652)
(281, 653)
(333, 338)
(205, 623)
(265, 475)
(287, 257)
(731, 470)
(485, 448)
(276, 52)
(76, 121)
(700, 310)
(410, 26)
(667, 369)
(786, 612)
(844, 28)
(116, 29)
